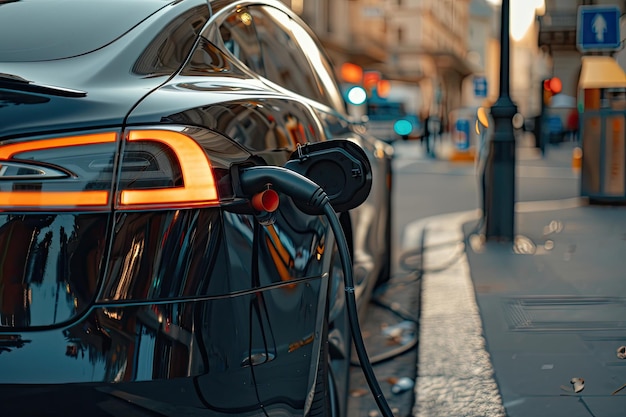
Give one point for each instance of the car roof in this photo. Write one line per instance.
(43, 30)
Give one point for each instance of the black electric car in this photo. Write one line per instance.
(156, 255)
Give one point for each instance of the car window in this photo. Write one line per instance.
(266, 46)
(284, 61)
(320, 64)
(207, 59)
(385, 110)
(239, 37)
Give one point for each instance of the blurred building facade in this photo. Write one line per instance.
(441, 47)
(417, 42)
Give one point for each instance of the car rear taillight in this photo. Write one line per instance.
(58, 173)
(157, 169)
(164, 169)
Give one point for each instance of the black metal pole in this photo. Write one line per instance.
(500, 165)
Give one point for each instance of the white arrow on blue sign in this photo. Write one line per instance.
(598, 28)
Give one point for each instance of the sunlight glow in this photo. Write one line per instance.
(522, 15)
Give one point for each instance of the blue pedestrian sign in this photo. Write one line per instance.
(480, 86)
(462, 134)
(598, 28)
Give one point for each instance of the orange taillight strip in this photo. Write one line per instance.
(25, 199)
(198, 188)
(38, 199)
(7, 151)
(198, 182)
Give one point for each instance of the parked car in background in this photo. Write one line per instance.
(137, 275)
(390, 121)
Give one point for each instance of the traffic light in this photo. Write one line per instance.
(370, 80)
(551, 86)
(403, 127)
(383, 87)
(352, 78)
(351, 73)
(356, 95)
(360, 85)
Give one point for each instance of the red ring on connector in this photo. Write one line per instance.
(266, 200)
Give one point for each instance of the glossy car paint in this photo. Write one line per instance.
(276, 45)
(205, 309)
(301, 53)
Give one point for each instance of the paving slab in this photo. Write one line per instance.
(556, 312)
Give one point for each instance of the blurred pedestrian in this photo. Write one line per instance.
(429, 134)
(572, 125)
(425, 133)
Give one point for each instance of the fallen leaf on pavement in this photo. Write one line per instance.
(392, 380)
(358, 393)
(578, 384)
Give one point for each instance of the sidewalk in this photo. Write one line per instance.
(504, 328)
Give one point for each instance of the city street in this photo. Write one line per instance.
(442, 196)
(347, 208)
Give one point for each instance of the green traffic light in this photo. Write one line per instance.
(403, 127)
(357, 95)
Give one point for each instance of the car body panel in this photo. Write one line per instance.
(177, 307)
(318, 87)
(116, 75)
(27, 45)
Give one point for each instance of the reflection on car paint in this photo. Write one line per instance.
(39, 283)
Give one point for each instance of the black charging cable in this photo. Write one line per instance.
(353, 318)
(313, 197)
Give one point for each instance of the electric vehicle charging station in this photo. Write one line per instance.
(342, 168)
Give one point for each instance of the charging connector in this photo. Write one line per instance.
(339, 166)
(299, 188)
(306, 192)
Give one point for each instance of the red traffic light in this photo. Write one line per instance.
(553, 85)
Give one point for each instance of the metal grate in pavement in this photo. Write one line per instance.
(565, 313)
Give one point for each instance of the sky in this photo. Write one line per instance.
(524, 12)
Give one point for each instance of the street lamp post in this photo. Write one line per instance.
(499, 203)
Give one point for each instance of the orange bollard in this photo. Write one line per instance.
(577, 157)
